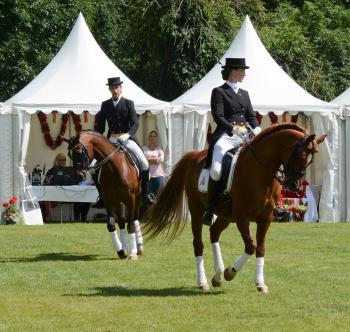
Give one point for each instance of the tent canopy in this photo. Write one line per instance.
(344, 98)
(270, 88)
(75, 80)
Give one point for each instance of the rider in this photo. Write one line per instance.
(121, 117)
(231, 109)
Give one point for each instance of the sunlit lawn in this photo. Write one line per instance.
(66, 277)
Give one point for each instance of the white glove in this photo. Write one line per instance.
(124, 137)
(256, 130)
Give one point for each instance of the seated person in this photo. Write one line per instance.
(60, 173)
(57, 175)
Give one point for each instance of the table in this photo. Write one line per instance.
(74, 193)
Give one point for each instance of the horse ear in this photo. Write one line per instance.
(309, 139)
(321, 139)
(65, 139)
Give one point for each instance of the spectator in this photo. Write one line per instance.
(155, 157)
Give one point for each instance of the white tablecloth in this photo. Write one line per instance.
(64, 193)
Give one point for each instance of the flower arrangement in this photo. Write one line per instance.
(10, 211)
(290, 210)
(45, 129)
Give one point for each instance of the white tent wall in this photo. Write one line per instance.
(325, 174)
(39, 153)
(7, 162)
(344, 99)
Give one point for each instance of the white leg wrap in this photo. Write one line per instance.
(133, 246)
(115, 241)
(241, 261)
(124, 239)
(259, 274)
(218, 262)
(201, 278)
(139, 237)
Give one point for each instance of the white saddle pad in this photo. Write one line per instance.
(204, 176)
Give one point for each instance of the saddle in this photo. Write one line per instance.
(228, 168)
(132, 156)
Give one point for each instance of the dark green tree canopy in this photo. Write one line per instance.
(166, 46)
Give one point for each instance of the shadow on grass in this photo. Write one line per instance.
(134, 292)
(54, 256)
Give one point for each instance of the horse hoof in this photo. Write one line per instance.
(140, 250)
(204, 288)
(122, 254)
(229, 274)
(133, 257)
(262, 288)
(216, 283)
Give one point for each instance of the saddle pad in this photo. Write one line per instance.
(230, 161)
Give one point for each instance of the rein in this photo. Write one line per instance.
(99, 165)
(265, 163)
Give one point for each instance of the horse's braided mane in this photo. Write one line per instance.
(89, 131)
(274, 128)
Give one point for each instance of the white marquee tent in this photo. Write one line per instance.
(75, 80)
(271, 90)
(344, 99)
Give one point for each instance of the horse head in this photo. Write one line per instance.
(79, 151)
(301, 157)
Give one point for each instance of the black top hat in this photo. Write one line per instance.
(113, 81)
(235, 63)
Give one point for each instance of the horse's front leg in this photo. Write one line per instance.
(262, 227)
(244, 228)
(117, 245)
(123, 234)
(215, 232)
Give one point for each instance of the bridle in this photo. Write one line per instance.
(86, 160)
(288, 172)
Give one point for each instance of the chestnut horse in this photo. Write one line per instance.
(254, 193)
(119, 182)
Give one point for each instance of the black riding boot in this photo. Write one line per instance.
(99, 204)
(213, 195)
(148, 199)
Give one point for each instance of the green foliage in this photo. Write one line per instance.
(167, 46)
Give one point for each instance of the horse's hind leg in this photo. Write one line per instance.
(139, 238)
(215, 232)
(262, 227)
(244, 228)
(196, 218)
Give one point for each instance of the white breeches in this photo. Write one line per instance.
(136, 149)
(224, 144)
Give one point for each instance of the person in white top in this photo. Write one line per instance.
(155, 157)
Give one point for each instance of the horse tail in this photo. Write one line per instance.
(169, 212)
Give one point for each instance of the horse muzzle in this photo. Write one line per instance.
(292, 186)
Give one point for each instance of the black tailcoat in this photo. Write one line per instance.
(229, 108)
(120, 119)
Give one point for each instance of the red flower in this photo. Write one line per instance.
(6, 204)
(13, 200)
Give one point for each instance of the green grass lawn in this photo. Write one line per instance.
(67, 278)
